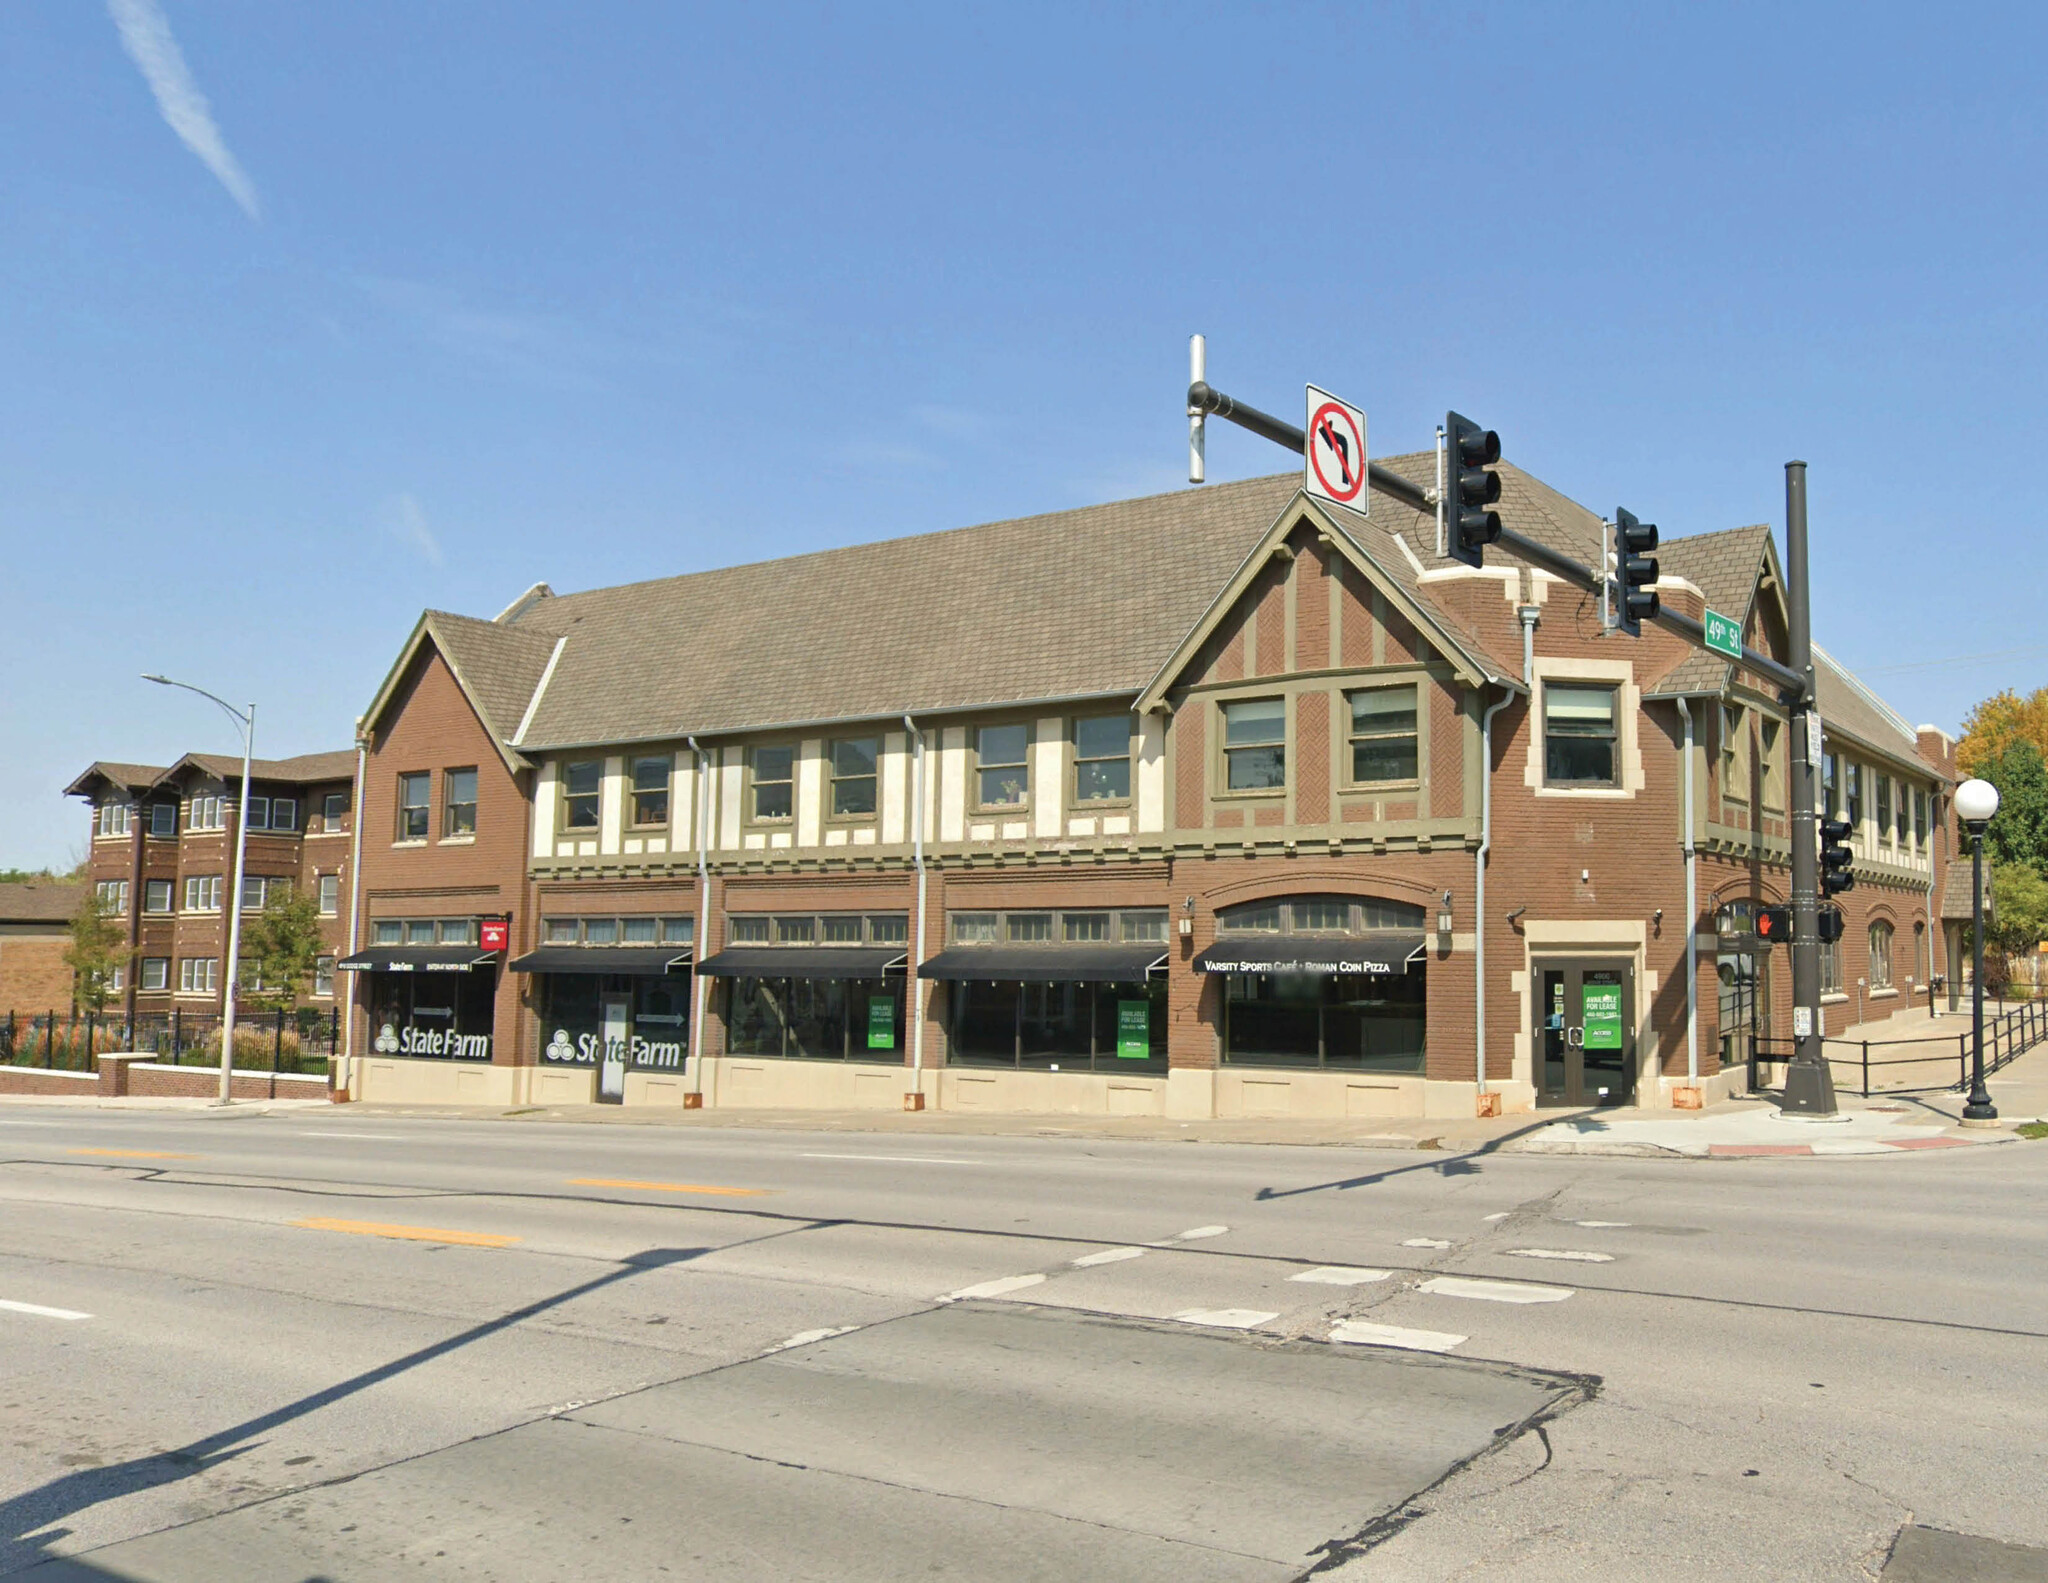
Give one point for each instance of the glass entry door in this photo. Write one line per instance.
(611, 1064)
(1585, 1033)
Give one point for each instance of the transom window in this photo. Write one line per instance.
(853, 777)
(1102, 759)
(774, 783)
(458, 793)
(650, 791)
(852, 928)
(1132, 925)
(618, 931)
(1005, 773)
(1320, 915)
(413, 792)
(1579, 732)
(582, 779)
(1383, 736)
(423, 931)
(1255, 745)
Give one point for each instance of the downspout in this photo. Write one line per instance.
(1528, 613)
(1934, 833)
(355, 904)
(916, 986)
(703, 932)
(1692, 916)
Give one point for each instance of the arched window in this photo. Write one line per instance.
(1880, 955)
(1320, 915)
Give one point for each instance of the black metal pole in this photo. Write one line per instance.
(1809, 1083)
(1980, 1107)
(1207, 398)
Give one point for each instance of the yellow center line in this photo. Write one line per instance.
(136, 1154)
(372, 1228)
(671, 1187)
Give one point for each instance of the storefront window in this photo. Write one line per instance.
(816, 1019)
(1076, 1027)
(440, 1016)
(1362, 1023)
(656, 1021)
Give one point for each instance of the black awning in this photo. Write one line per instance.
(637, 959)
(1048, 964)
(417, 959)
(1382, 955)
(804, 961)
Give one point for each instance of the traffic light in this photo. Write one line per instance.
(1835, 857)
(1830, 929)
(1469, 489)
(1633, 542)
(1773, 924)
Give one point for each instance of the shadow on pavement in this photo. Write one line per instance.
(26, 1520)
(1457, 1165)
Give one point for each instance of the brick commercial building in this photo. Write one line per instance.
(1224, 802)
(35, 932)
(163, 858)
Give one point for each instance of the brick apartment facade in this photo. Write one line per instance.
(163, 856)
(1174, 806)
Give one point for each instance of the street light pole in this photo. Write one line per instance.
(247, 721)
(1976, 802)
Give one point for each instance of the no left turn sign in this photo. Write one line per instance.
(1334, 461)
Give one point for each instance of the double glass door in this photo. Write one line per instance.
(1585, 1033)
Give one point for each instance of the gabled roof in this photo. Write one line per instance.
(1727, 568)
(123, 777)
(304, 770)
(498, 667)
(40, 902)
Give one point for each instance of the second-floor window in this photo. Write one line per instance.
(581, 780)
(1579, 734)
(114, 817)
(774, 783)
(458, 802)
(330, 895)
(1383, 735)
(156, 972)
(1920, 818)
(413, 792)
(1852, 805)
(163, 819)
(1102, 759)
(209, 812)
(1001, 754)
(202, 893)
(1830, 785)
(259, 812)
(1884, 809)
(198, 975)
(1902, 815)
(156, 895)
(1255, 745)
(333, 810)
(853, 776)
(650, 792)
(259, 891)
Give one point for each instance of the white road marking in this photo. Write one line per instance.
(1364, 1334)
(893, 1159)
(1108, 1256)
(1562, 1253)
(1603, 1225)
(1425, 1242)
(41, 1312)
(376, 1137)
(1009, 1283)
(9, 1121)
(1501, 1216)
(804, 1338)
(1339, 1275)
(1493, 1291)
(1200, 1232)
(1225, 1318)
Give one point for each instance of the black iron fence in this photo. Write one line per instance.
(303, 1041)
(1870, 1067)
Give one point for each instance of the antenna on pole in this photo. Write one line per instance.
(1198, 374)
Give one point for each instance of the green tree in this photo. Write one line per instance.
(2018, 833)
(1997, 723)
(2019, 921)
(98, 950)
(281, 948)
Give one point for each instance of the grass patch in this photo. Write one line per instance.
(2033, 1129)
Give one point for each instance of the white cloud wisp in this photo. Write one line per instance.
(146, 35)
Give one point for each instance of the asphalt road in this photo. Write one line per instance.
(327, 1346)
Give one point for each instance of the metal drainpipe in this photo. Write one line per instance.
(915, 997)
(1692, 917)
(703, 931)
(355, 905)
(1528, 614)
(1933, 836)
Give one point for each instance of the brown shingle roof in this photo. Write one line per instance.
(1724, 567)
(129, 777)
(1955, 891)
(499, 665)
(38, 902)
(305, 769)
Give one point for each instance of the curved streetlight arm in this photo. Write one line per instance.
(246, 721)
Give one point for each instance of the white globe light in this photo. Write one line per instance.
(1976, 801)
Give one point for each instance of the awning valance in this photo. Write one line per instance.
(804, 961)
(416, 959)
(637, 959)
(1047, 964)
(1383, 954)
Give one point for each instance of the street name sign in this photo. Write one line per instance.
(1333, 460)
(1723, 634)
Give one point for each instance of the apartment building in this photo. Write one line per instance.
(1223, 802)
(163, 860)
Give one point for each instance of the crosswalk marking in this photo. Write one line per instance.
(1493, 1291)
(1339, 1275)
(1107, 1256)
(1577, 1254)
(1425, 1242)
(41, 1312)
(1225, 1318)
(1200, 1232)
(1604, 1225)
(1359, 1332)
(997, 1288)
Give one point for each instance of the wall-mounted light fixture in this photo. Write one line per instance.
(1443, 917)
(1187, 922)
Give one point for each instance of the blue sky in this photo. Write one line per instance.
(387, 306)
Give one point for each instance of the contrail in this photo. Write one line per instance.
(146, 35)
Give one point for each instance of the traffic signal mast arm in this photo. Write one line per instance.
(1203, 397)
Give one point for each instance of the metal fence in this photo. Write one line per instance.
(304, 1041)
(1914, 1066)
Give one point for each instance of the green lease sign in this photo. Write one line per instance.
(1602, 1006)
(881, 1022)
(1133, 1029)
(1724, 635)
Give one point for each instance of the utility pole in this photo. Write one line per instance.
(1809, 1083)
